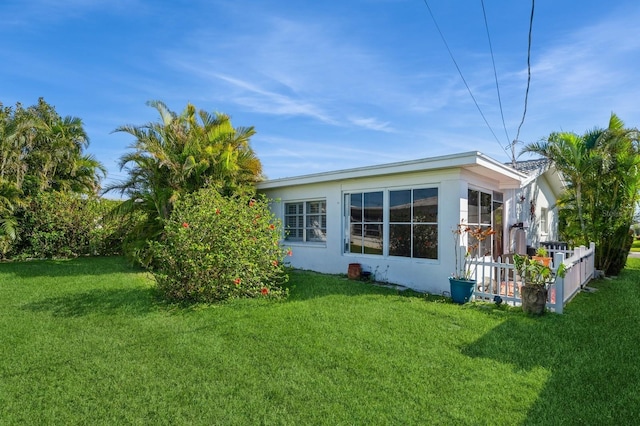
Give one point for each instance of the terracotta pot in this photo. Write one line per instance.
(534, 299)
(354, 271)
(546, 261)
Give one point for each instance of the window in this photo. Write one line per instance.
(365, 222)
(485, 211)
(413, 223)
(400, 223)
(544, 220)
(306, 221)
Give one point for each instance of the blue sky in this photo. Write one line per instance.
(327, 84)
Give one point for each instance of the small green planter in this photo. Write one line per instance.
(461, 290)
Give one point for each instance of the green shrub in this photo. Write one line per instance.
(216, 248)
(61, 224)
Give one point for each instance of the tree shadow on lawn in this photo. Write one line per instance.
(305, 285)
(68, 267)
(134, 301)
(591, 356)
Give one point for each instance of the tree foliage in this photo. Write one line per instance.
(63, 224)
(602, 169)
(175, 156)
(40, 152)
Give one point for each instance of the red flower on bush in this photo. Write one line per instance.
(237, 281)
(289, 252)
(272, 226)
(274, 263)
(217, 211)
(252, 202)
(185, 225)
(264, 291)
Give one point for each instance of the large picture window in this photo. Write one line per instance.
(306, 221)
(413, 223)
(365, 210)
(400, 223)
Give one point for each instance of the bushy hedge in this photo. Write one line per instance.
(217, 248)
(62, 224)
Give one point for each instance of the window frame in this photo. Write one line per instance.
(413, 223)
(385, 223)
(303, 219)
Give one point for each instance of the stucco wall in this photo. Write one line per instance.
(420, 274)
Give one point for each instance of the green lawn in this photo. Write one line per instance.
(86, 342)
(635, 246)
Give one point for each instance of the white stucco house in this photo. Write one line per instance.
(396, 219)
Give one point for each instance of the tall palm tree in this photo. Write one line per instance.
(602, 167)
(180, 154)
(572, 158)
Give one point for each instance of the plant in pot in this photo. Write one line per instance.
(460, 282)
(541, 256)
(537, 278)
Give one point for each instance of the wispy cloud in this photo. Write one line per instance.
(268, 102)
(298, 68)
(372, 124)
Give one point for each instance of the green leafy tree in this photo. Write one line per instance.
(603, 175)
(40, 152)
(175, 156)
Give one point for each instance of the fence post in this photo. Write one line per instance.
(558, 259)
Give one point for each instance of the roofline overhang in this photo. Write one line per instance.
(473, 161)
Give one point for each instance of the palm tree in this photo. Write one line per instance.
(178, 155)
(602, 169)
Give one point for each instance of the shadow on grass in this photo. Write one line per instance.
(306, 285)
(68, 267)
(134, 302)
(590, 353)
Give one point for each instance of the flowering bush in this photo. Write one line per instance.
(216, 248)
(475, 236)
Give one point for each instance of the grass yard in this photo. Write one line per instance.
(85, 341)
(635, 246)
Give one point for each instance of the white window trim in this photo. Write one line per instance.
(305, 240)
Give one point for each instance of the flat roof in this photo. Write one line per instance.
(473, 161)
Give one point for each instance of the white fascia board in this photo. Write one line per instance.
(472, 160)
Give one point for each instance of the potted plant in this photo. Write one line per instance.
(541, 256)
(536, 277)
(460, 282)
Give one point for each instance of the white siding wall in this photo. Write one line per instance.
(420, 274)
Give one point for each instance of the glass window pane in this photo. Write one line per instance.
(356, 207)
(314, 207)
(425, 241)
(355, 237)
(373, 206)
(480, 248)
(293, 235)
(425, 205)
(293, 208)
(316, 234)
(373, 239)
(400, 206)
(485, 207)
(400, 240)
(473, 204)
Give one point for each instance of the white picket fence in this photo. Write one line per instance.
(498, 279)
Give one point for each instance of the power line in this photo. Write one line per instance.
(526, 95)
(495, 73)
(460, 72)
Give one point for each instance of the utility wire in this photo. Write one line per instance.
(495, 73)
(526, 95)
(460, 72)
